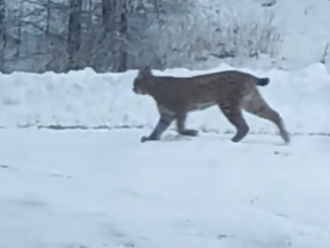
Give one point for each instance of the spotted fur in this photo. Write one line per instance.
(231, 90)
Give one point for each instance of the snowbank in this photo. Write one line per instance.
(89, 100)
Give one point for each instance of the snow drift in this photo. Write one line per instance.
(85, 99)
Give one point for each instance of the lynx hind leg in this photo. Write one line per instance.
(257, 106)
(234, 115)
(180, 122)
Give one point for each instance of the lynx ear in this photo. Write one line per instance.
(144, 72)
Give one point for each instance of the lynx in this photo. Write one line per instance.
(231, 90)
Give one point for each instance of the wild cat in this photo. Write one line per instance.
(231, 90)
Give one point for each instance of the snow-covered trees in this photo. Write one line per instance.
(116, 35)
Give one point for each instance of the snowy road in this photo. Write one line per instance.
(105, 189)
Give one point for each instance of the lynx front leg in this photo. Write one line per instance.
(180, 121)
(165, 120)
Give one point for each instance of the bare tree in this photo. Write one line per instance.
(107, 35)
(3, 34)
(74, 34)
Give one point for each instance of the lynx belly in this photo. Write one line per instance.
(203, 106)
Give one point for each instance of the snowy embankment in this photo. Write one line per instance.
(90, 100)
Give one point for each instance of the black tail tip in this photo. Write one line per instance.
(263, 81)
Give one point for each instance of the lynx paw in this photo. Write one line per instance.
(146, 138)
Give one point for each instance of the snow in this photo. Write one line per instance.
(103, 188)
(98, 189)
(90, 100)
(304, 25)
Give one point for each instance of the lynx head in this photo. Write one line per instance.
(143, 81)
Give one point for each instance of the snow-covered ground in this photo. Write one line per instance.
(87, 99)
(87, 188)
(70, 189)
(103, 188)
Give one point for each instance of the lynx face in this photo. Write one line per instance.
(138, 87)
(142, 82)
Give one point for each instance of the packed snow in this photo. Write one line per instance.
(103, 188)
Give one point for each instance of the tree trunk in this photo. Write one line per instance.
(123, 30)
(74, 35)
(107, 14)
(3, 35)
